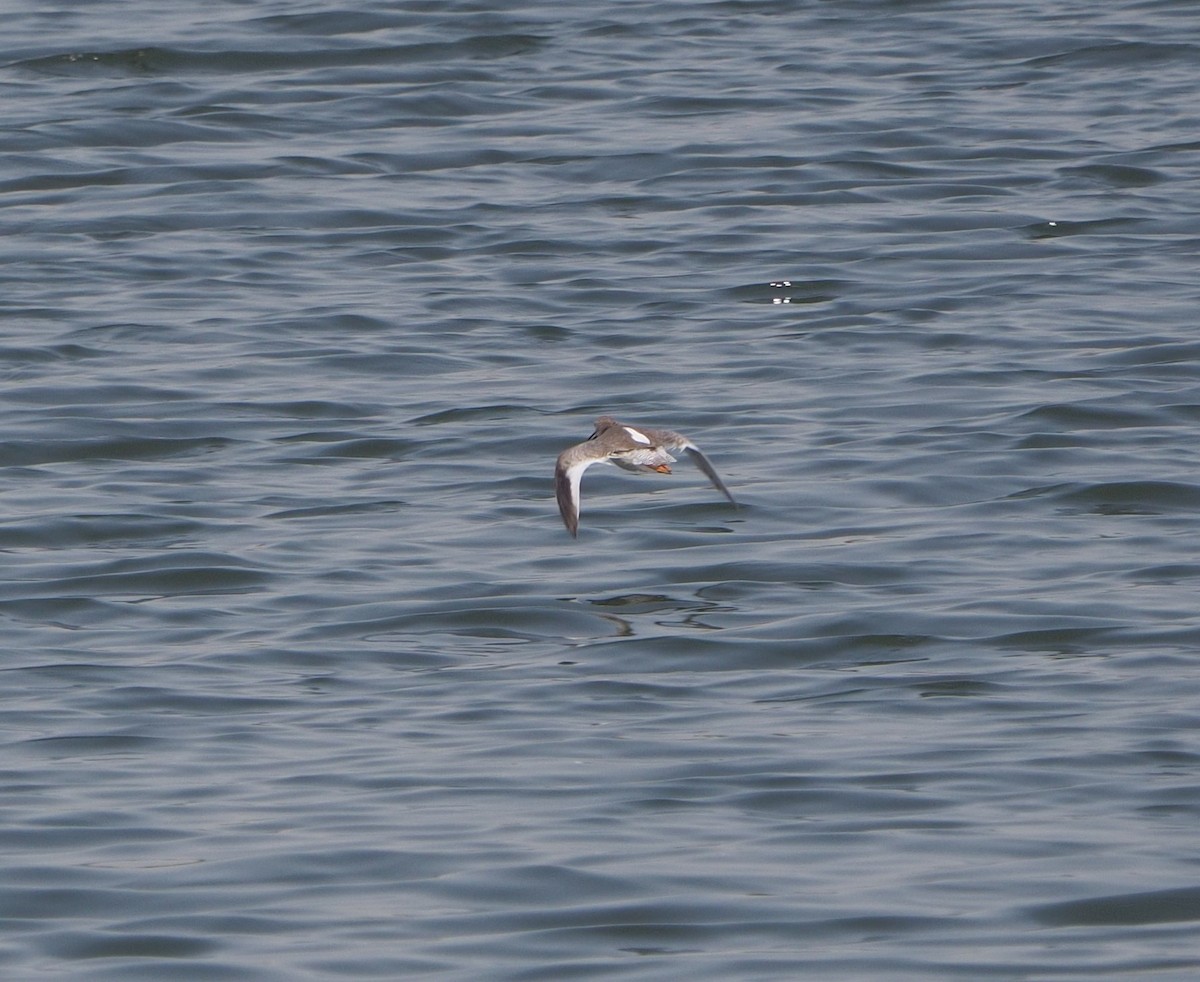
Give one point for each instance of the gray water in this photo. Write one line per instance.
(303, 678)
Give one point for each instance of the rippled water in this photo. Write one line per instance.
(303, 677)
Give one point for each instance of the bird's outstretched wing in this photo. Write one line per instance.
(697, 458)
(568, 472)
(677, 441)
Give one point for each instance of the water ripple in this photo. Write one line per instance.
(304, 677)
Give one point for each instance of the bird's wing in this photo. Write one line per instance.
(677, 441)
(568, 472)
(701, 461)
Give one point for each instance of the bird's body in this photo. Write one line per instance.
(633, 448)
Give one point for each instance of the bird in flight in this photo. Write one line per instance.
(632, 448)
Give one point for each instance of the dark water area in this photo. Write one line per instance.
(303, 678)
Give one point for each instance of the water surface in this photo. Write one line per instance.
(304, 679)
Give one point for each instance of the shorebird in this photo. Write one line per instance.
(629, 447)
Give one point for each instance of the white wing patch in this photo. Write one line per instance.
(640, 437)
(575, 476)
